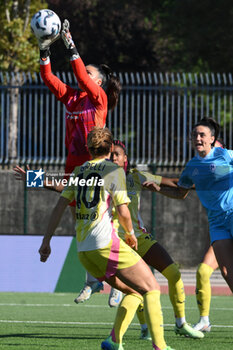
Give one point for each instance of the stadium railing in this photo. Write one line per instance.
(154, 116)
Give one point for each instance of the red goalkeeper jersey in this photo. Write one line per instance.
(84, 109)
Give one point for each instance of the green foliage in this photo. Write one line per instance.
(18, 47)
(199, 34)
(161, 35)
(149, 35)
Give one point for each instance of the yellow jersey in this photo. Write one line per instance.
(134, 180)
(97, 186)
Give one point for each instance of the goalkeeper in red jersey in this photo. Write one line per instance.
(86, 106)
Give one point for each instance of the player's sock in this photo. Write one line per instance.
(203, 288)
(176, 291)
(90, 279)
(154, 318)
(125, 313)
(140, 314)
(204, 319)
(180, 321)
(145, 335)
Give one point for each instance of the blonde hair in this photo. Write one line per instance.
(99, 141)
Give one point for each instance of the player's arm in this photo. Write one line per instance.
(145, 176)
(169, 182)
(85, 82)
(55, 85)
(93, 90)
(172, 182)
(49, 185)
(175, 192)
(20, 174)
(126, 222)
(54, 220)
(61, 90)
(172, 192)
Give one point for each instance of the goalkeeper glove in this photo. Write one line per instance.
(46, 43)
(68, 41)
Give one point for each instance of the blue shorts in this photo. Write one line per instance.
(221, 227)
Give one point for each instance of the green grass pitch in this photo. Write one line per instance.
(39, 321)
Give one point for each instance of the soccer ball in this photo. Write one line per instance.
(45, 24)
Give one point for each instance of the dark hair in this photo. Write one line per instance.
(212, 125)
(110, 83)
(122, 145)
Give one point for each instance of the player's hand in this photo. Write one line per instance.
(20, 174)
(45, 44)
(150, 185)
(66, 35)
(131, 240)
(44, 251)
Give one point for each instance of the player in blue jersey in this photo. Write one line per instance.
(203, 287)
(211, 171)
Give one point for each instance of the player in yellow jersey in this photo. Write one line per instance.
(98, 185)
(148, 248)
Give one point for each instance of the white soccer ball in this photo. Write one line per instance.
(45, 24)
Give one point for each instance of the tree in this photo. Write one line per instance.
(17, 53)
(197, 35)
(115, 32)
(149, 35)
(17, 43)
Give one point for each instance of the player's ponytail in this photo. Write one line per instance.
(212, 125)
(110, 83)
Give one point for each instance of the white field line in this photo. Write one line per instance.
(91, 323)
(100, 306)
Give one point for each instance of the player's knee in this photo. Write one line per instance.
(149, 285)
(172, 273)
(204, 272)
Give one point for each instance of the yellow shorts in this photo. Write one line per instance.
(103, 263)
(145, 242)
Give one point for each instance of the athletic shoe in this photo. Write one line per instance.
(109, 344)
(115, 297)
(202, 327)
(145, 335)
(168, 348)
(188, 331)
(88, 290)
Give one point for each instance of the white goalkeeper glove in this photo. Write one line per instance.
(46, 43)
(68, 41)
(66, 35)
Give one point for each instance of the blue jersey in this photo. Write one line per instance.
(213, 179)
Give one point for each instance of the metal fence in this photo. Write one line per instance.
(154, 116)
